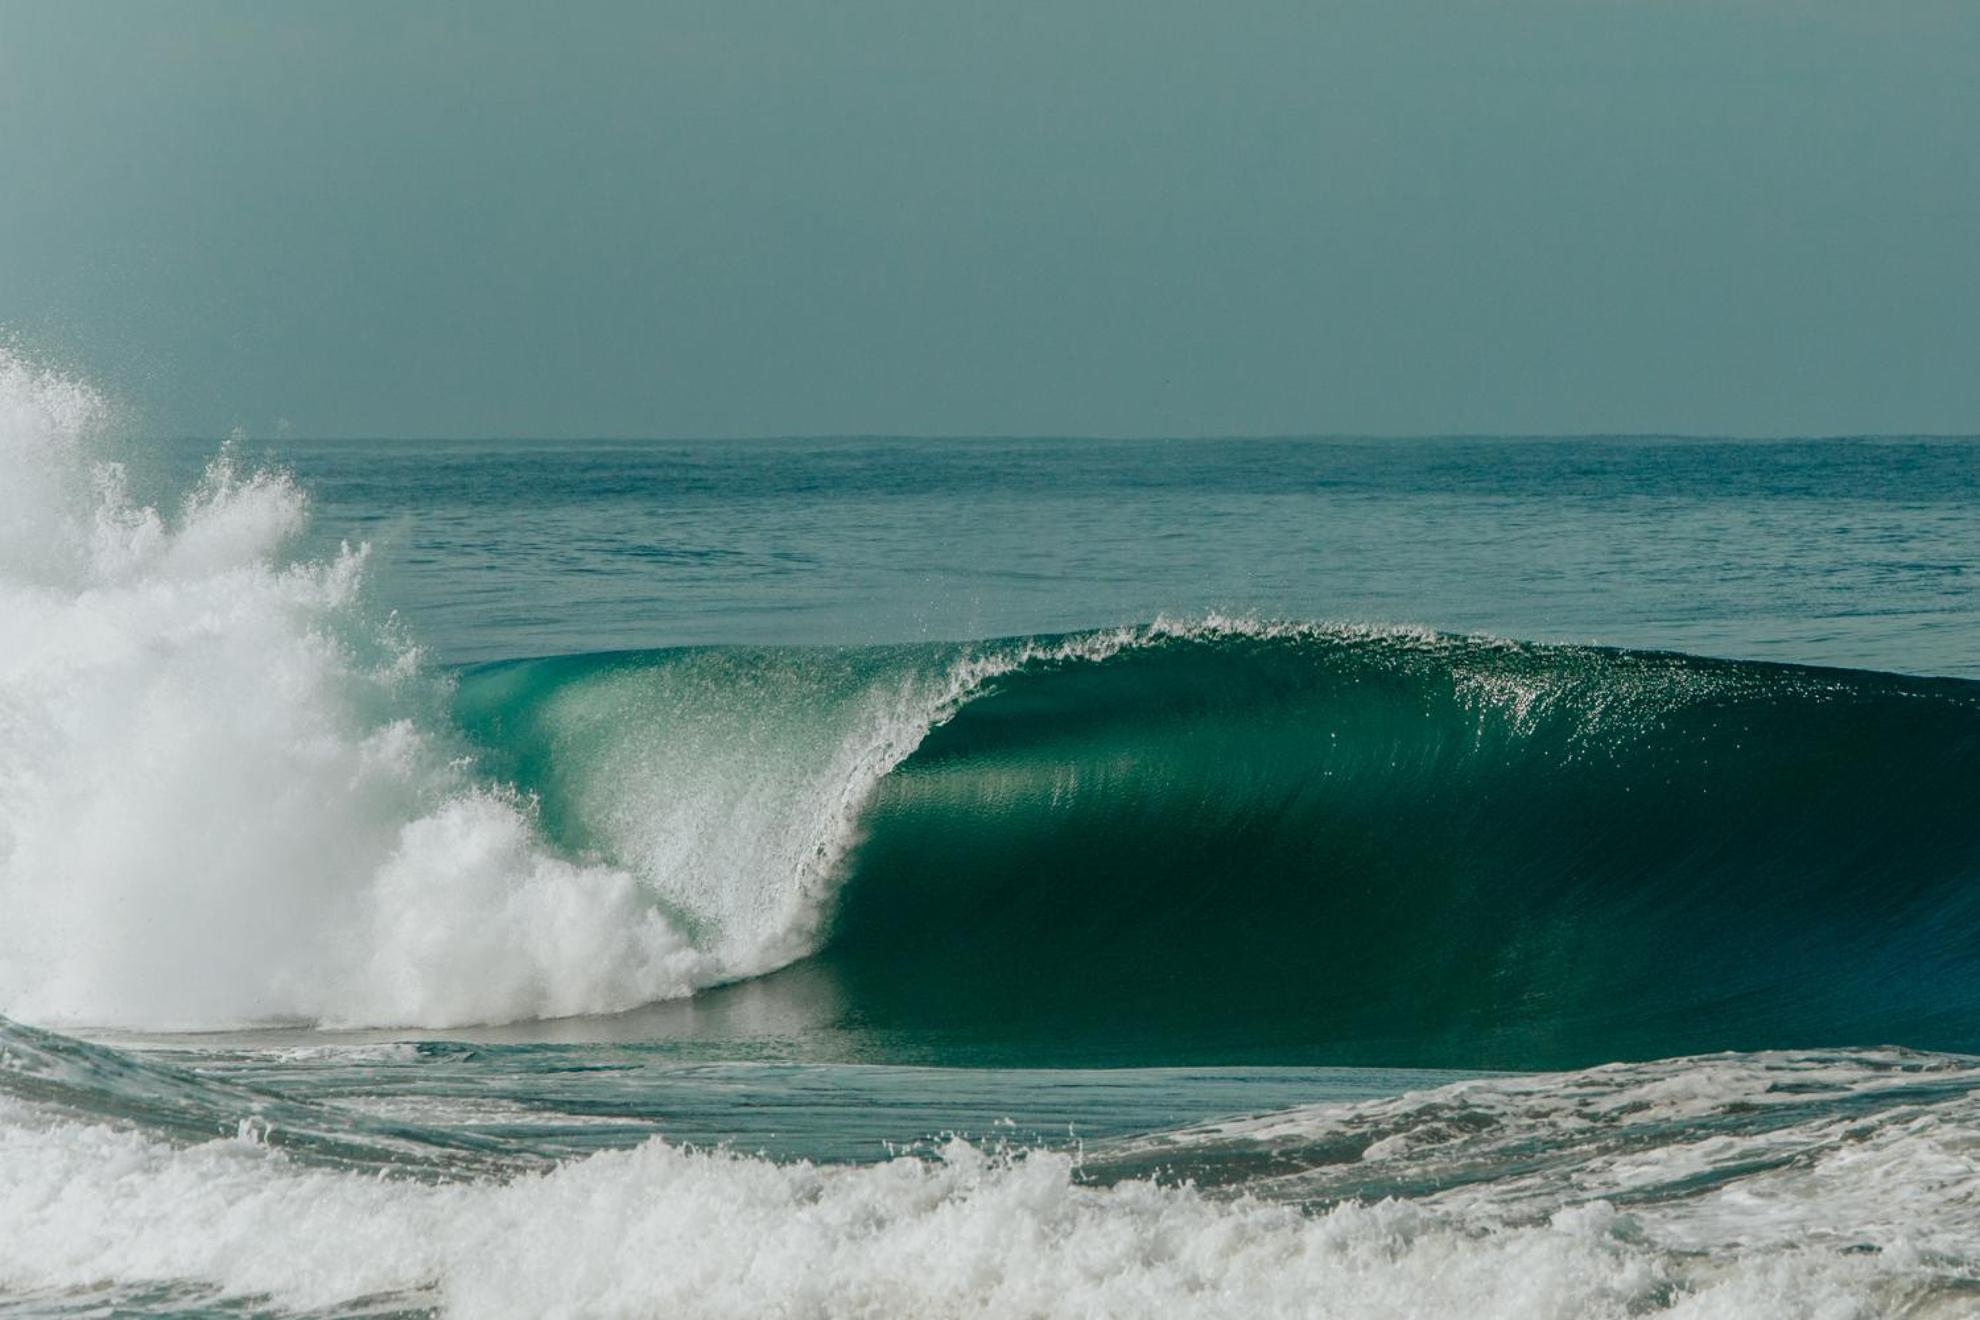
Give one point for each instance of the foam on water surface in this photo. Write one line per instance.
(1768, 1185)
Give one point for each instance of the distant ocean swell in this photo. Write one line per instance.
(232, 792)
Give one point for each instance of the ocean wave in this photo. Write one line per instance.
(1223, 841)
(232, 792)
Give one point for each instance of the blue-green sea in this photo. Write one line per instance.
(872, 877)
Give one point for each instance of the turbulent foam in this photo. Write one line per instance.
(1765, 1185)
(225, 796)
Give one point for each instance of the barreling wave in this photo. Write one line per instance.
(1228, 841)
(233, 792)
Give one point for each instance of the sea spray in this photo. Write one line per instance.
(224, 794)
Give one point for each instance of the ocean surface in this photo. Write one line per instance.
(874, 877)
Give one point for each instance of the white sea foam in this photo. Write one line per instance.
(223, 797)
(662, 1231)
(1837, 1184)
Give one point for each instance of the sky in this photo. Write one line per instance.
(1119, 217)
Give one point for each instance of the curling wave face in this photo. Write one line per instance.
(1432, 851)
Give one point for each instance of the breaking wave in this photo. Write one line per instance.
(233, 792)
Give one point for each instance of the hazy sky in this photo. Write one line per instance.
(1072, 216)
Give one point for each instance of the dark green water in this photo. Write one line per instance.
(1354, 849)
(1007, 877)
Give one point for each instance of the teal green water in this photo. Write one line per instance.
(1340, 848)
(1006, 877)
(1842, 552)
(1349, 845)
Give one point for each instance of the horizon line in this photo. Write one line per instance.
(1403, 437)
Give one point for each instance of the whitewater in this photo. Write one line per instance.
(669, 963)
